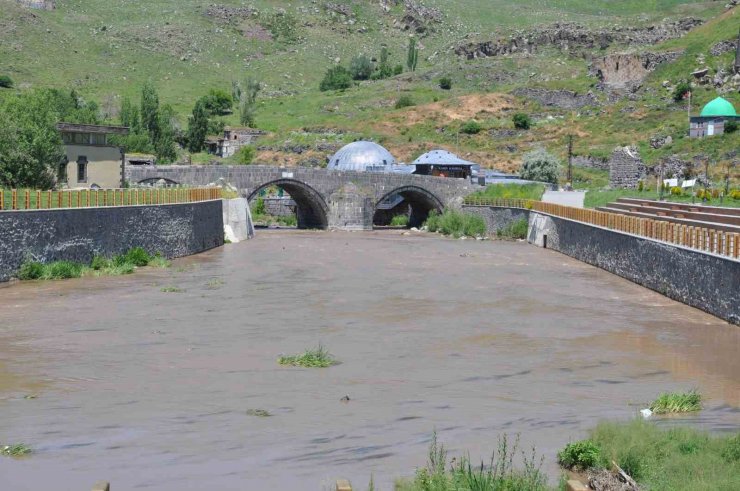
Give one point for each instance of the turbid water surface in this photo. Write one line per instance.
(150, 389)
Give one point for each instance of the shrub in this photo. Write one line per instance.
(6, 82)
(584, 454)
(315, 358)
(361, 67)
(245, 155)
(445, 83)
(15, 450)
(731, 126)
(400, 221)
(61, 270)
(218, 101)
(731, 453)
(640, 186)
(31, 270)
(514, 230)
(532, 191)
(677, 402)
(539, 165)
(735, 194)
(521, 121)
(676, 191)
(471, 128)
(259, 207)
(336, 78)
(398, 69)
(282, 25)
(680, 90)
(404, 101)
(99, 262)
(137, 256)
(456, 223)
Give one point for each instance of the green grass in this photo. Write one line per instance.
(456, 223)
(99, 266)
(400, 221)
(581, 455)
(511, 191)
(677, 402)
(312, 358)
(514, 230)
(673, 459)
(499, 473)
(16, 450)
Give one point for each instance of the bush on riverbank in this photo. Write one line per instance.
(400, 221)
(514, 230)
(676, 458)
(677, 402)
(460, 474)
(101, 266)
(456, 224)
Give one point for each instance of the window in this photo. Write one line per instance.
(62, 171)
(68, 137)
(82, 169)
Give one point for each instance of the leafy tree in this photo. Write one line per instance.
(150, 111)
(30, 145)
(361, 67)
(471, 128)
(445, 83)
(539, 165)
(129, 116)
(248, 102)
(216, 126)
(681, 90)
(164, 147)
(245, 155)
(218, 102)
(412, 56)
(197, 127)
(6, 82)
(336, 78)
(384, 69)
(521, 121)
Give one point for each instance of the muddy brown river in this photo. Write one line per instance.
(114, 379)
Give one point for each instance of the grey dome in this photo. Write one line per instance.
(362, 156)
(441, 157)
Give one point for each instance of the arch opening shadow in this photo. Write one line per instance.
(414, 202)
(311, 209)
(158, 182)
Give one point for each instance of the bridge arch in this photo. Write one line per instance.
(419, 203)
(151, 181)
(311, 208)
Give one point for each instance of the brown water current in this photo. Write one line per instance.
(150, 389)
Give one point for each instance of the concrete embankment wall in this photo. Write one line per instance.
(706, 281)
(497, 218)
(79, 234)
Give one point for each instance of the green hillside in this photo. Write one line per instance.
(106, 50)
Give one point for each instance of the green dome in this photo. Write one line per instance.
(718, 107)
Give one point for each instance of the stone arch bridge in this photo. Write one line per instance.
(324, 198)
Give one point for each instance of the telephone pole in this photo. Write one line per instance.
(570, 160)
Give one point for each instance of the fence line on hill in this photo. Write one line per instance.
(700, 238)
(29, 199)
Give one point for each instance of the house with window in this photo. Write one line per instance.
(234, 138)
(712, 119)
(91, 159)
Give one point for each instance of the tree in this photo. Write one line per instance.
(197, 127)
(6, 82)
(164, 147)
(413, 55)
(218, 102)
(248, 102)
(384, 69)
(30, 145)
(539, 165)
(245, 155)
(361, 67)
(150, 111)
(521, 121)
(129, 116)
(336, 78)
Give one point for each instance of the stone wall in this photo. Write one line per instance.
(79, 234)
(705, 281)
(497, 218)
(625, 168)
(279, 207)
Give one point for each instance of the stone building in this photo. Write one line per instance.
(712, 119)
(91, 160)
(625, 167)
(234, 138)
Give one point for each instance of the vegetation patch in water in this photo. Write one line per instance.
(261, 413)
(677, 402)
(171, 289)
(313, 358)
(17, 450)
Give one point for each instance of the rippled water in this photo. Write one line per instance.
(150, 390)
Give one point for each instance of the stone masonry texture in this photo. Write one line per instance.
(79, 234)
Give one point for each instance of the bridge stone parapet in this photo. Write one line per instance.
(324, 198)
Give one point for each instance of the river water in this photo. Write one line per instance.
(114, 379)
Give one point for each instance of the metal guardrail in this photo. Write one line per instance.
(28, 199)
(700, 238)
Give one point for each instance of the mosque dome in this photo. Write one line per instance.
(718, 107)
(441, 157)
(362, 156)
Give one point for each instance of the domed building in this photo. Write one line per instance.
(445, 164)
(363, 156)
(712, 119)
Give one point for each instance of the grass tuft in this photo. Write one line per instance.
(171, 289)
(17, 450)
(261, 413)
(514, 230)
(677, 402)
(456, 224)
(314, 358)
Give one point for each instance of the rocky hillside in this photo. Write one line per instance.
(600, 70)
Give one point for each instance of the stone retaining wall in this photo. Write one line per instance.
(81, 233)
(497, 218)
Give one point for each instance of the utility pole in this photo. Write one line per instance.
(706, 179)
(570, 160)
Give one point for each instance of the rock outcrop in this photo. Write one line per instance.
(39, 4)
(563, 99)
(622, 70)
